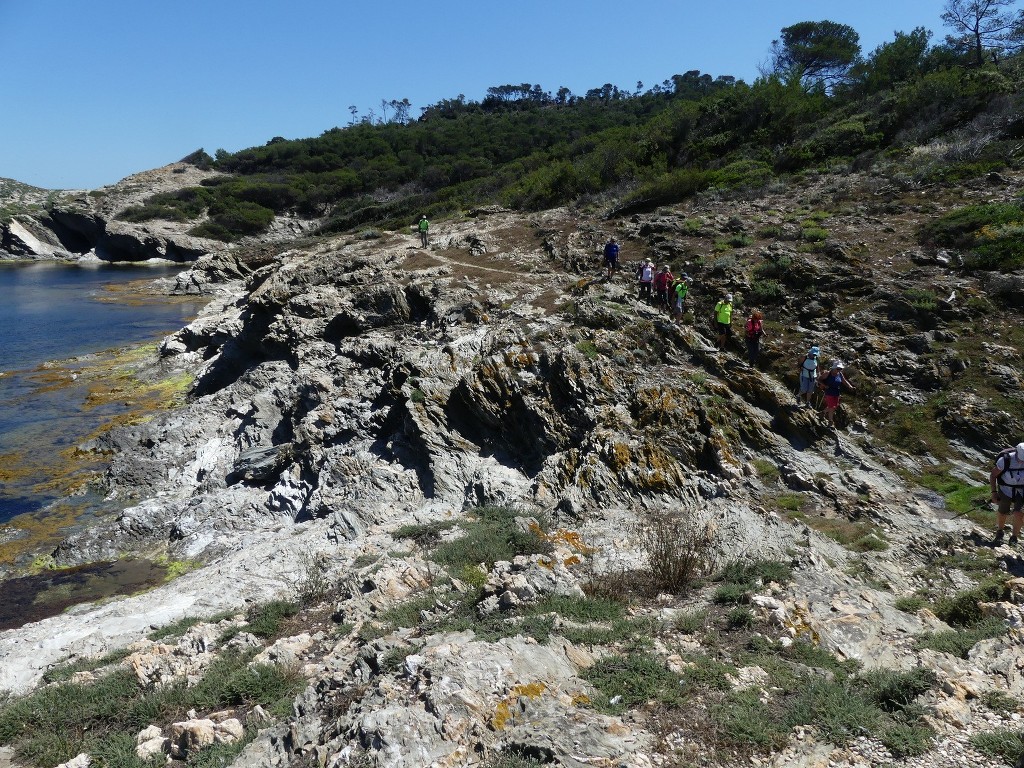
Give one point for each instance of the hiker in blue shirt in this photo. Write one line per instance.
(611, 256)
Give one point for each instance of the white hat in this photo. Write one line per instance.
(838, 364)
(1020, 451)
(728, 297)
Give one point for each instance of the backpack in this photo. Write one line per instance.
(1011, 477)
(805, 372)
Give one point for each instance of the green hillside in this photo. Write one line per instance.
(823, 106)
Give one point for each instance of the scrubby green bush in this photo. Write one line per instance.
(632, 680)
(1004, 744)
(766, 291)
(992, 234)
(491, 534)
(921, 298)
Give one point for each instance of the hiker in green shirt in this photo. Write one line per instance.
(423, 227)
(723, 319)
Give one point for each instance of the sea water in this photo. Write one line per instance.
(51, 312)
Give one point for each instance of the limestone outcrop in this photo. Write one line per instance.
(355, 398)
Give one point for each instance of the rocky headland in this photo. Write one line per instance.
(361, 405)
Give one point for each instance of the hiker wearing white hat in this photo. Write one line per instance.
(833, 381)
(1007, 482)
(723, 320)
(808, 366)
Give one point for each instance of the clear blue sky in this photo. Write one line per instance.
(91, 92)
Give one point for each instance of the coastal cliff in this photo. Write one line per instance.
(359, 404)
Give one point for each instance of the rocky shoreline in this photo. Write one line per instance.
(349, 387)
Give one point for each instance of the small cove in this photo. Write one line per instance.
(64, 327)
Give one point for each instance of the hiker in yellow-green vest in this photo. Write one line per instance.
(723, 319)
(423, 227)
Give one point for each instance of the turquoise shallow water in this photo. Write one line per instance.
(51, 311)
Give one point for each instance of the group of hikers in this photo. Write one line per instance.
(666, 291)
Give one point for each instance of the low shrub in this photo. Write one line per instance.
(766, 291)
(992, 234)
(630, 681)
(425, 535)
(911, 604)
(963, 609)
(1004, 744)
(679, 550)
(959, 642)
(740, 617)
(265, 620)
(492, 534)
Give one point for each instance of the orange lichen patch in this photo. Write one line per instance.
(580, 700)
(503, 713)
(571, 539)
(530, 690)
(543, 562)
(619, 457)
(569, 562)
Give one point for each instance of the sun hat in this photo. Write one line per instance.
(814, 351)
(1020, 451)
(838, 364)
(728, 297)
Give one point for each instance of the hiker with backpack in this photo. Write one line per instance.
(645, 277)
(808, 366)
(723, 320)
(611, 256)
(833, 381)
(754, 329)
(423, 226)
(677, 293)
(1007, 482)
(662, 281)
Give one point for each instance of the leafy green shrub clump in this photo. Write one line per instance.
(492, 534)
(1004, 744)
(630, 681)
(753, 572)
(959, 642)
(814, 234)
(673, 187)
(265, 620)
(911, 604)
(921, 298)
(993, 235)
(766, 291)
(744, 174)
(424, 534)
(54, 724)
(963, 609)
(740, 617)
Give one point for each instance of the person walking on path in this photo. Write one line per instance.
(662, 281)
(833, 381)
(723, 320)
(1007, 482)
(808, 377)
(754, 331)
(677, 292)
(423, 227)
(645, 276)
(611, 256)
